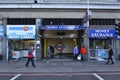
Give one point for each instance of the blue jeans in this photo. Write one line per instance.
(82, 57)
(47, 58)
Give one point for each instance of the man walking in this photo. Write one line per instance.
(48, 54)
(110, 54)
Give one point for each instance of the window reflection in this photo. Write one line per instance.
(27, 43)
(15, 44)
(99, 43)
(18, 45)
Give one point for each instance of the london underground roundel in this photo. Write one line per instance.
(25, 28)
(60, 46)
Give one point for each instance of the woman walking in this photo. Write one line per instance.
(30, 57)
(83, 52)
(75, 50)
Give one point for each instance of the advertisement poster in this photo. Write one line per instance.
(102, 54)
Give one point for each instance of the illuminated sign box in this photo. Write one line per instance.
(63, 27)
(101, 33)
(20, 31)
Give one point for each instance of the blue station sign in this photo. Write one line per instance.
(63, 27)
(101, 33)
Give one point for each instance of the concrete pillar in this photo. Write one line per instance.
(3, 50)
(38, 40)
(117, 49)
(4, 42)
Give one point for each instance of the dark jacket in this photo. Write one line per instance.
(48, 52)
(52, 49)
(10, 53)
(111, 53)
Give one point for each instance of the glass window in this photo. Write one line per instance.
(102, 21)
(15, 44)
(18, 45)
(22, 21)
(99, 43)
(27, 43)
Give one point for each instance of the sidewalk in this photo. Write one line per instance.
(59, 66)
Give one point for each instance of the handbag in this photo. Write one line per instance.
(79, 57)
(30, 55)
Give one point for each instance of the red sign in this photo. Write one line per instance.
(25, 28)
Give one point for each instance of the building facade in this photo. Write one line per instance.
(60, 23)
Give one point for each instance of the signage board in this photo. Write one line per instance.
(20, 31)
(101, 33)
(63, 27)
(102, 53)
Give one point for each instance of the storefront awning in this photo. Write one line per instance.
(101, 33)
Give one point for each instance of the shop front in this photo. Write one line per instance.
(99, 41)
(20, 38)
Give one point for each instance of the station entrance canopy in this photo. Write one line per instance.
(62, 27)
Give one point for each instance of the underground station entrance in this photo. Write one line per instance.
(62, 38)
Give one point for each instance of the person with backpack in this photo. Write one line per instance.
(30, 57)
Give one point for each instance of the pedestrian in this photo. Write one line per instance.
(10, 54)
(52, 51)
(48, 54)
(30, 57)
(83, 52)
(75, 52)
(110, 55)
